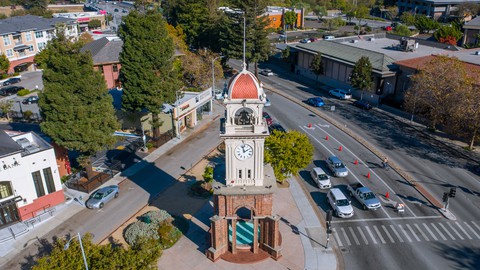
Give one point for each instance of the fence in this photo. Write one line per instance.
(81, 182)
(165, 137)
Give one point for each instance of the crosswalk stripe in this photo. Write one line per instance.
(346, 237)
(438, 231)
(413, 233)
(388, 234)
(445, 229)
(476, 225)
(379, 234)
(471, 229)
(363, 235)
(429, 231)
(455, 231)
(354, 236)
(421, 232)
(371, 235)
(463, 230)
(404, 232)
(396, 233)
(337, 238)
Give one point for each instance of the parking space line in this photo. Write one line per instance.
(438, 231)
(371, 235)
(429, 231)
(455, 231)
(379, 234)
(346, 236)
(403, 230)
(388, 234)
(337, 238)
(413, 233)
(396, 233)
(463, 230)
(476, 225)
(471, 229)
(363, 235)
(354, 236)
(445, 229)
(421, 232)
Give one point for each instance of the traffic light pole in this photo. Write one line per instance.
(329, 226)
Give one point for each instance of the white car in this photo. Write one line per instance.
(342, 207)
(267, 72)
(340, 93)
(321, 179)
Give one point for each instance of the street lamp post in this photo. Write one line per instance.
(81, 247)
(20, 105)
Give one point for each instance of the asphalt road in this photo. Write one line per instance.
(420, 237)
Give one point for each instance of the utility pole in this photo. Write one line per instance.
(329, 226)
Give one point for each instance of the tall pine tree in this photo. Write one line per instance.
(147, 75)
(361, 76)
(76, 107)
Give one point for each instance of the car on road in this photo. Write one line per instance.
(341, 206)
(102, 196)
(321, 179)
(305, 40)
(124, 11)
(340, 93)
(30, 100)
(336, 166)
(12, 81)
(267, 103)
(362, 104)
(364, 196)
(276, 127)
(267, 72)
(115, 10)
(10, 90)
(315, 102)
(267, 118)
(313, 39)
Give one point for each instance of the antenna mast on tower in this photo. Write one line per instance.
(244, 41)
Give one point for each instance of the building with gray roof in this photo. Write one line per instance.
(438, 9)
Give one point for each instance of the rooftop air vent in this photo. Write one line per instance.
(32, 149)
(23, 142)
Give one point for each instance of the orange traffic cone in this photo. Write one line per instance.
(387, 195)
(326, 138)
(355, 162)
(340, 148)
(368, 175)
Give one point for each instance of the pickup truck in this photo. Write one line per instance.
(364, 195)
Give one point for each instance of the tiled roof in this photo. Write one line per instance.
(30, 22)
(244, 86)
(380, 62)
(104, 50)
(7, 145)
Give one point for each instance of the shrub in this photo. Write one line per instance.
(23, 92)
(143, 229)
(208, 174)
(168, 234)
(27, 114)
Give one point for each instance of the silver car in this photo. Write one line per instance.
(100, 197)
(337, 167)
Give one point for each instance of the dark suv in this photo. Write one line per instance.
(10, 90)
(12, 81)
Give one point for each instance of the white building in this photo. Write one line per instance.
(29, 178)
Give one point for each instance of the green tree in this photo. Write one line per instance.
(29, 4)
(425, 24)
(361, 13)
(4, 63)
(361, 76)
(334, 23)
(291, 18)
(77, 110)
(288, 152)
(147, 75)
(6, 106)
(402, 30)
(448, 34)
(320, 11)
(407, 18)
(316, 65)
(286, 54)
(192, 16)
(94, 24)
(143, 255)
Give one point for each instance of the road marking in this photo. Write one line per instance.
(476, 225)
(445, 229)
(346, 237)
(396, 233)
(438, 231)
(413, 233)
(403, 230)
(383, 219)
(463, 230)
(388, 234)
(354, 236)
(429, 231)
(379, 234)
(337, 238)
(421, 232)
(471, 229)
(455, 231)
(371, 235)
(363, 235)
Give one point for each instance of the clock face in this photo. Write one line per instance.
(243, 151)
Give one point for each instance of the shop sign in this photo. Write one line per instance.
(9, 164)
(83, 19)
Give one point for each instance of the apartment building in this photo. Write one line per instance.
(22, 37)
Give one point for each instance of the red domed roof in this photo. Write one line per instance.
(244, 86)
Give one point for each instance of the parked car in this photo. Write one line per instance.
(268, 103)
(329, 37)
(363, 104)
(315, 102)
(336, 166)
(313, 39)
(267, 72)
(10, 90)
(364, 196)
(30, 100)
(124, 11)
(267, 118)
(340, 93)
(321, 179)
(12, 81)
(305, 40)
(276, 127)
(115, 10)
(100, 197)
(342, 207)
